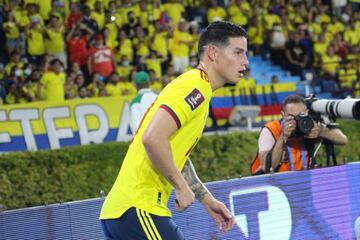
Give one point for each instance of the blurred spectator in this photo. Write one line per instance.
(15, 60)
(12, 33)
(274, 79)
(355, 4)
(71, 88)
(330, 63)
(194, 32)
(130, 26)
(182, 44)
(112, 87)
(75, 68)
(125, 7)
(197, 11)
(347, 13)
(338, 6)
(143, 100)
(35, 41)
(347, 75)
(215, 12)
(323, 14)
(270, 18)
(97, 87)
(335, 26)
(155, 10)
(320, 48)
(255, 35)
(76, 46)
(277, 44)
(295, 55)
(140, 43)
(193, 62)
(153, 61)
(110, 30)
(83, 92)
(31, 13)
(159, 40)
(74, 16)
(15, 93)
(127, 85)
(144, 15)
(175, 10)
(32, 86)
(101, 58)
(59, 8)
(306, 44)
(88, 21)
(340, 46)
(239, 12)
(168, 76)
(124, 68)
(155, 83)
(98, 15)
(350, 34)
(54, 44)
(16, 75)
(114, 13)
(52, 82)
(124, 47)
(80, 81)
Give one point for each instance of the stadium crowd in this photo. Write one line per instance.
(66, 49)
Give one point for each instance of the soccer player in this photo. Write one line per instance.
(158, 157)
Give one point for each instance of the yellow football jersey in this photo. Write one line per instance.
(139, 184)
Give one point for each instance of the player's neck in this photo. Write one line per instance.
(214, 78)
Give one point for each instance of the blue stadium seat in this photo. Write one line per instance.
(329, 85)
(324, 95)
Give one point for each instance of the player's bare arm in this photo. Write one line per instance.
(193, 180)
(217, 210)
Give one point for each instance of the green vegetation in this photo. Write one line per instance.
(44, 177)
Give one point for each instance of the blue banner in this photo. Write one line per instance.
(316, 204)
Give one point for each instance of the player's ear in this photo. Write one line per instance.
(212, 52)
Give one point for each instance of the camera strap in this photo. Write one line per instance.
(303, 152)
(303, 157)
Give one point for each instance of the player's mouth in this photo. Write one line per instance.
(242, 73)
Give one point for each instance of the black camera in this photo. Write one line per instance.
(304, 124)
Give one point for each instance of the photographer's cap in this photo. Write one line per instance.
(141, 77)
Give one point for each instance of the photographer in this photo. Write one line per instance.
(285, 147)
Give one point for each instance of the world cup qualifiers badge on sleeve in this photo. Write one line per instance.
(194, 99)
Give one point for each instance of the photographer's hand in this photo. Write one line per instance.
(289, 126)
(315, 131)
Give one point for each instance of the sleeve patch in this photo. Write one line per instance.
(194, 99)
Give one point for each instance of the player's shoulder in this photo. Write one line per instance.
(194, 77)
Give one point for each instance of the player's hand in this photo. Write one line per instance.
(289, 126)
(315, 131)
(222, 216)
(184, 197)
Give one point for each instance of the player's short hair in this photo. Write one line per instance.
(218, 33)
